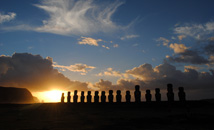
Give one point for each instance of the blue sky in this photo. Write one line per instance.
(113, 40)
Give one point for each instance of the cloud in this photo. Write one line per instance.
(34, 73)
(197, 31)
(67, 17)
(144, 72)
(164, 41)
(147, 77)
(192, 67)
(113, 73)
(189, 56)
(105, 47)
(167, 73)
(115, 45)
(178, 48)
(89, 41)
(37, 74)
(201, 56)
(181, 37)
(201, 51)
(129, 37)
(209, 49)
(24, 27)
(82, 68)
(7, 17)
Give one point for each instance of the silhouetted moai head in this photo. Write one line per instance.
(148, 96)
(128, 96)
(96, 97)
(137, 94)
(170, 94)
(137, 88)
(118, 96)
(62, 98)
(181, 94)
(103, 97)
(69, 97)
(89, 97)
(157, 95)
(82, 97)
(110, 96)
(75, 97)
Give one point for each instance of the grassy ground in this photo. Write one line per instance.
(146, 116)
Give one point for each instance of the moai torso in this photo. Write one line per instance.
(157, 95)
(148, 96)
(75, 97)
(137, 94)
(181, 94)
(96, 97)
(170, 94)
(118, 96)
(103, 97)
(89, 97)
(128, 96)
(82, 97)
(110, 96)
(69, 97)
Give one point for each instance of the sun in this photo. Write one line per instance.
(53, 95)
(49, 96)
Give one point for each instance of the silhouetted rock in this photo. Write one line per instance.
(89, 97)
(15, 95)
(103, 97)
(148, 96)
(170, 94)
(82, 98)
(128, 96)
(137, 94)
(75, 97)
(181, 94)
(118, 96)
(110, 96)
(69, 97)
(96, 97)
(157, 95)
(62, 98)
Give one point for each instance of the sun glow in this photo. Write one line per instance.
(49, 96)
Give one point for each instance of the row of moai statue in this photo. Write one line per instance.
(137, 95)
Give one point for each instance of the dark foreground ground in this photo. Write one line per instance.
(194, 115)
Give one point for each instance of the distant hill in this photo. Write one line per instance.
(15, 95)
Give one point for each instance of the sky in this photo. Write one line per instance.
(103, 45)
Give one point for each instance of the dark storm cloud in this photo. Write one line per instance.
(34, 72)
(159, 76)
(209, 49)
(189, 56)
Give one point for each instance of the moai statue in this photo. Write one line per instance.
(110, 96)
(170, 94)
(181, 94)
(75, 97)
(118, 96)
(82, 97)
(157, 95)
(128, 96)
(62, 98)
(69, 97)
(103, 97)
(89, 97)
(96, 97)
(137, 94)
(148, 96)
